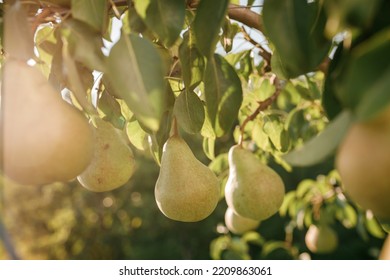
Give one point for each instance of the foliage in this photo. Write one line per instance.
(286, 83)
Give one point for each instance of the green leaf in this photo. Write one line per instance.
(323, 145)
(85, 44)
(209, 147)
(158, 139)
(164, 17)
(272, 246)
(350, 216)
(223, 94)
(373, 227)
(274, 128)
(296, 28)
(259, 136)
(218, 245)
(110, 107)
(308, 217)
(367, 81)
(253, 237)
(47, 46)
(289, 198)
(192, 61)
(330, 101)
(220, 164)
(136, 135)
(133, 22)
(304, 187)
(207, 23)
(189, 111)
(92, 12)
(207, 129)
(347, 13)
(230, 30)
(135, 72)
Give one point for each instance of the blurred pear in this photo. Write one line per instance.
(237, 224)
(113, 161)
(363, 161)
(321, 239)
(44, 138)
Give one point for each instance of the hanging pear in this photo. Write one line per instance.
(186, 190)
(113, 161)
(385, 250)
(44, 139)
(321, 239)
(363, 161)
(238, 224)
(253, 190)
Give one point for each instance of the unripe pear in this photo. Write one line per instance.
(253, 190)
(321, 239)
(186, 189)
(113, 162)
(237, 224)
(363, 161)
(44, 138)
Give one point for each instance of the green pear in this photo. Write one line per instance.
(44, 138)
(113, 162)
(363, 161)
(186, 190)
(253, 190)
(237, 224)
(321, 239)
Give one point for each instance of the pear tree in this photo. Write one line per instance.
(289, 101)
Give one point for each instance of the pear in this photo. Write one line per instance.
(363, 161)
(44, 138)
(186, 190)
(238, 224)
(321, 239)
(253, 190)
(113, 161)
(385, 251)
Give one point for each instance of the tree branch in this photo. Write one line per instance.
(263, 52)
(239, 13)
(263, 105)
(246, 16)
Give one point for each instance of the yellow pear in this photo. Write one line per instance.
(186, 190)
(253, 190)
(363, 161)
(44, 138)
(237, 224)
(385, 251)
(113, 162)
(321, 239)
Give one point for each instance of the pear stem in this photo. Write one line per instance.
(174, 129)
(263, 105)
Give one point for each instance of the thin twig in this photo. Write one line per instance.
(263, 105)
(114, 8)
(263, 52)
